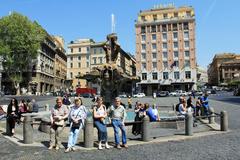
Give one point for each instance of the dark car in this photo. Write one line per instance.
(163, 94)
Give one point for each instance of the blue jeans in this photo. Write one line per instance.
(102, 130)
(118, 124)
(73, 136)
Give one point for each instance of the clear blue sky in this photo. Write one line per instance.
(217, 21)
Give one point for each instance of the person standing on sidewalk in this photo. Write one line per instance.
(118, 114)
(77, 116)
(99, 115)
(58, 114)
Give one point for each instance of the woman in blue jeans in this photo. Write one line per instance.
(77, 116)
(99, 114)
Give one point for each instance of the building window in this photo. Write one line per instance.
(94, 60)
(154, 37)
(143, 29)
(154, 65)
(144, 76)
(165, 55)
(154, 46)
(144, 56)
(165, 75)
(164, 36)
(176, 75)
(188, 13)
(71, 75)
(165, 15)
(186, 35)
(101, 50)
(71, 58)
(79, 58)
(186, 44)
(88, 49)
(87, 64)
(143, 37)
(100, 60)
(175, 14)
(186, 53)
(153, 29)
(175, 54)
(95, 51)
(164, 28)
(175, 44)
(154, 55)
(154, 76)
(144, 66)
(71, 50)
(185, 26)
(154, 17)
(175, 28)
(165, 64)
(87, 57)
(175, 35)
(79, 65)
(176, 63)
(188, 74)
(143, 46)
(187, 63)
(143, 18)
(71, 65)
(164, 45)
(79, 49)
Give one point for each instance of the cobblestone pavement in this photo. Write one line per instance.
(221, 146)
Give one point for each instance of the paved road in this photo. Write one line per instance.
(223, 146)
(226, 97)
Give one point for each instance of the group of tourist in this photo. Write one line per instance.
(77, 116)
(142, 110)
(186, 106)
(15, 111)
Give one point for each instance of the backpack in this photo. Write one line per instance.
(177, 107)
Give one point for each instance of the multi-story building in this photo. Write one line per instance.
(223, 69)
(84, 54)
(165, 49)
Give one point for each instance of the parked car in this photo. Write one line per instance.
(198, 93)
(236, 92)
(163, 94)
(122, 96)
(183, 93)
(139, 95)
(173, 94)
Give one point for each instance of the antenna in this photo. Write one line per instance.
(113, 23)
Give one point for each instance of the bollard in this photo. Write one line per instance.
(27, 130)
(188, 124)
(46, 107)
(8, 132)
(211, 114)
(174, 107)
(88, 133)
(145, 129)
(224, 121)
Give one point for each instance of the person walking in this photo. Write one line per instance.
(77, 116)
(58, 114)
(118, 114)
(99, 115)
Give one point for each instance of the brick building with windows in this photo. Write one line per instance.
(165, 49)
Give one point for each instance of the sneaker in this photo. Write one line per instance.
(125, 145)
(50, 147)
(118, 146)
(107, 146)
(100, 147)
(68, 150)
(73, 149)
(57, 147)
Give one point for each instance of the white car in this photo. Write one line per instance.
(139, 95)
(173, 94)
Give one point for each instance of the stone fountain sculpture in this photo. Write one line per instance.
(110, 76)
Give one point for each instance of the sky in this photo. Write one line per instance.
(217, 21)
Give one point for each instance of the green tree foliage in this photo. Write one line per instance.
(20, 39)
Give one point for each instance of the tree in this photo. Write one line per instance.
(20, 40)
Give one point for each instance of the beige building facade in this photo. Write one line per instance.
(85, 54)
(165, 49)
(223, 69)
